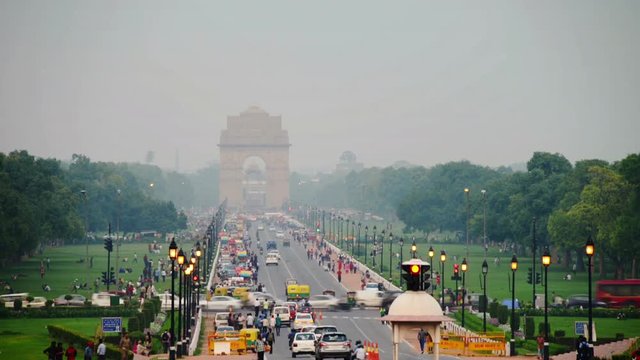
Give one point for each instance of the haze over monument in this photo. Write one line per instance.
(423, 82)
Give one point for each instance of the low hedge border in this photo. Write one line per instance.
(630, 313)
(69, 336)
(67, 312)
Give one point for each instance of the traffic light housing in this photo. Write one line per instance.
(318, 227)
(112, 277)
(538, 278)
(415, 272)
(105, 279)
(108, 245)
(456, 269)
(530, 276)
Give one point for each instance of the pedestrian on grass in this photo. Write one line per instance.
(102, 350)
(88, 351)
(50, 351)
(71, 352)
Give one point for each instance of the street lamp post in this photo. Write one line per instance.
(194, 283)
(485, 270)
(463, 266)
(181, 259)
(590, 249)
(382, 250)
(198, 253)
(86, 234)
(443, 258)
(484, 221)
(353, 237)
(173, 254)
(431, 253)
(466, 192)
(390, 255)
(546, 261)
(366, 240)
(414, 248)
(514, 268)
(401, 242)
(359, 227)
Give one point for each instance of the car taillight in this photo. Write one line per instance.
(323, 344)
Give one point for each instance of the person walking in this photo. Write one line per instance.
(270, 340)
(125, 346)
(383, 312)
(583, 352)
(278, 324)
(422, 339)
(260, 348)
(71, 352)
(88, 351)
(59, 351)
(540, 342)
(50, 351)
(102, 350)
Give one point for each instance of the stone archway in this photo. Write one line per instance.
(254, 161)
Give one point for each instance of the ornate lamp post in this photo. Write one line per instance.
(414, 248)
(443, 258)
(514, 268)
(187, 302)
(198, 253)
(463, 266)
(173, 254)
(484, 221)
(181, 260)
(546, 261)
(431, 253)
(359, 227)
(194, 269)
(353, 237)
(590, 249)
(485, 270)
(381, 249)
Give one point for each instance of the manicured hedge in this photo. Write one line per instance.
(68, 312)
(630, 313)
(69, 336)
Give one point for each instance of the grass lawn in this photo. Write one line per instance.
(65, 268)
(605, 327)
(25, 339)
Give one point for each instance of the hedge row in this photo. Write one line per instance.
(631, 313)
(67, 312)
(69, 336)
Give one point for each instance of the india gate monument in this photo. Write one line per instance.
(254, 161)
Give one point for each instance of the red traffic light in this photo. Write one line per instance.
(456, 268)
(195, 277)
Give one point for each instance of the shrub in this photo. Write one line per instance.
(68, 297)
(49, 303)
(17, 305)
(69, 312)
(503, 314)
(148, 317)
(559, 333)
(541, 329)
(619, 336)
(133, 324)
(516, 320)
(141, 325)
(529, 327)
(30, 298)
(493, 309)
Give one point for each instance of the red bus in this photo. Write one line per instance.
(619, 293)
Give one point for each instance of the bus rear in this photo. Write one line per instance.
(619, 293)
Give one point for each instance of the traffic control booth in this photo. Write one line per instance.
(412, 311)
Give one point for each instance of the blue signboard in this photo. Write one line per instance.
(581, 327)
(111, 324)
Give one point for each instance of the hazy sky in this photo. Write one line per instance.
(426, 82)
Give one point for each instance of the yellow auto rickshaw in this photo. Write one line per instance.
(220, 291)
(241, 293)
(251, 335)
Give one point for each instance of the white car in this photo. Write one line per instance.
(37, 302)
(303, 343)
(221, 303)
(272, 259)
(272, 228)
(323, 301)
(165, 301)
(284, 313)
(302, 320)
(274, 252)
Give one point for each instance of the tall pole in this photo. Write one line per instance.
(390, 256)
(382, 236)
(401, 260)
(118, 228)
(485, 270)
(109, 262)
(546, 261)
(443, 258)
(484, 222)
(464, 271)
(366, 240)
(86, 233)
(589, 249)
(466, 191)
(533, 262)
(359, 226)
(172, 354)
(323, 231)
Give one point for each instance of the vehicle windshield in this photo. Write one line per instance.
(303, 316)
(305, 337)
(334, 337)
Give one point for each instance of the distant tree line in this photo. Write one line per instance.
(45, 200)
(570, 202)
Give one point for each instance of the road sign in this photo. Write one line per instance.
(581, 328)
(111, 324)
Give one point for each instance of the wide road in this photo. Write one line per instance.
(357, 324)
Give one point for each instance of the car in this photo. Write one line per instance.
(373, 286)
(303, 343)
(333, 345)
(104, 299)
(165, 301)
(309, 328)
(221, 319)
(274, 252)
(578, 301)
(388, 297)
(224, 328)
(280, 235)
(321, 329)
(272, 259)
(302, 320)
(272, 228)
(75, 300)
(369, 298)
(262, 296)
(285, 314)
(37, 302)
(221, 303)
(261, 227)
(323, 301)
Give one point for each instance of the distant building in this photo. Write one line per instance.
(348, 163)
